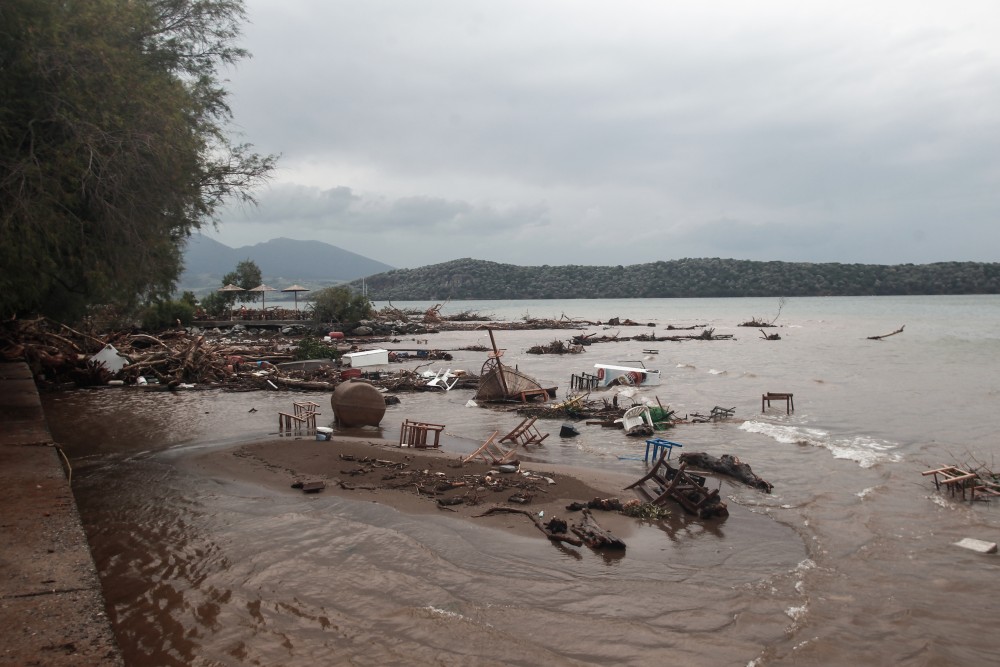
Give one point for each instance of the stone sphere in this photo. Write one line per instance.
(357, 404)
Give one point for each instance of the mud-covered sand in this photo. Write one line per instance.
(415, 480)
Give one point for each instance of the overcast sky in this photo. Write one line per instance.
(578, 132)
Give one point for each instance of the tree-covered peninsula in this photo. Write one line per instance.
(479, 279)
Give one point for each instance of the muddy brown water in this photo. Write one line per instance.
(850, 561)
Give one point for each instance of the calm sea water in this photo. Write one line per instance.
(850, 561)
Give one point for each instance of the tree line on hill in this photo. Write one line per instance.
(480, 279)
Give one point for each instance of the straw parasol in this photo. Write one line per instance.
(263, 289)
(295, 289)
(231, 288)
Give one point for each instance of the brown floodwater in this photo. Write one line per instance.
(850, 561)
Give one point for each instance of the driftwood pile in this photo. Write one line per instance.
(707, 333)
(556, 347)
(58, 354)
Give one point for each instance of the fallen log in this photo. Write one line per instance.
(555, 530)
(729, 465)
(899, 330)
(593, 535)
(304, 385)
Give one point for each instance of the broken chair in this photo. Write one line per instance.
(493, 452)
(525, 433)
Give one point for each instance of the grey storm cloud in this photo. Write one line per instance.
(339, 208)
(782, 130)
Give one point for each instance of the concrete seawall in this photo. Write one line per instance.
(52, 611)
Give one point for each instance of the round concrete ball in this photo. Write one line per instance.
(357, 404)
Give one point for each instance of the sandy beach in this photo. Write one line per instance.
(417, 481)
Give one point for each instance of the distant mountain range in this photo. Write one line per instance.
(310, 263)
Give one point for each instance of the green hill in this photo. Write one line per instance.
(479, 279)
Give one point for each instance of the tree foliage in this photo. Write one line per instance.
(339, 304)
(478, 279)
(113, 146)
(246, 275)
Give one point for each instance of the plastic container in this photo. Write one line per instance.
(324, 433)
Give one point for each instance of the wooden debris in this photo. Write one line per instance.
(606, 504)
(897, 331)
(729, 465)
(347, 486)
(789, 400)
(593, 535)
(433, 314)
(717, 414)
(554, 529)
(525, 433)
(955, 479)
(665, 482)
(310, 487)
(493, 452)
(556, 347)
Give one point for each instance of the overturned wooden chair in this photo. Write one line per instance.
(302, 417)
(493, 452)
(296, 422)
(664, 482)
(414, 434)
(525, 433)
(957, 480)
(305, 408)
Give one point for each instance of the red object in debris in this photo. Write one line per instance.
(350, 373)
(338, 335)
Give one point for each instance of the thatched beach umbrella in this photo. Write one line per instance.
(231, 288)
(262, 289)
(295, 289)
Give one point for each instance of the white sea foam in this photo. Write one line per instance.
(805, 564)
(940, 502)
(796, 613)
(436, 611)
(716, 372)
(866, 451)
